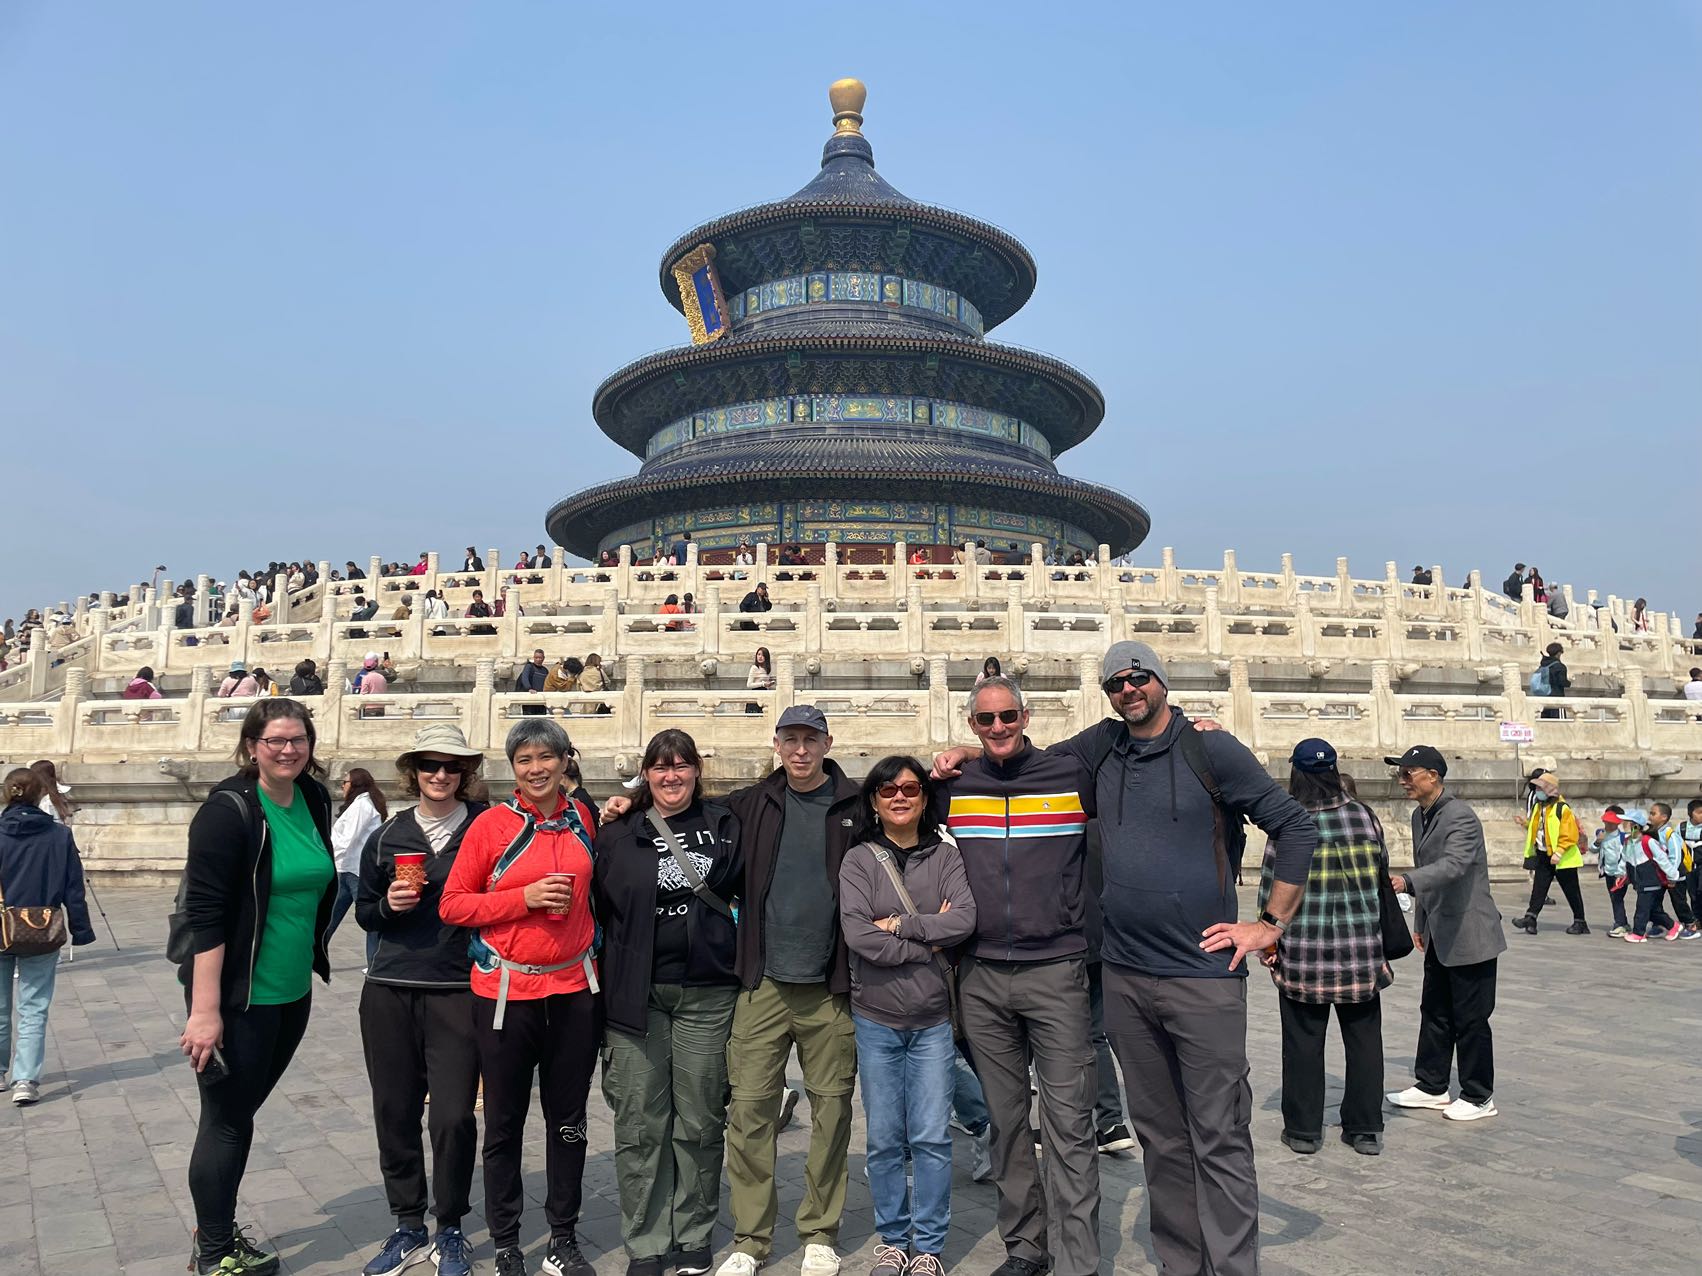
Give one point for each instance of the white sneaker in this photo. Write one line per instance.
(819, 1260)
(981, 1171)
(1466, 1110)
(738, 1264)
(1413, 1097)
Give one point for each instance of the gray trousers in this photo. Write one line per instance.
(1013, 1012)
(1183, 1047)
(1108, 1102)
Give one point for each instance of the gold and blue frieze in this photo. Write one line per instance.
(800, 409)
(822, 287)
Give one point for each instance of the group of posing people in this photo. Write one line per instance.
(690, 945)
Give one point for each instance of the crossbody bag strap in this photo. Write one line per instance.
(883, 857)
(694, 879)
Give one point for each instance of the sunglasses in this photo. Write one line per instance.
(909, 788)
(1408, 772)
(431, 766)
(1119, 681)
(1010, 717)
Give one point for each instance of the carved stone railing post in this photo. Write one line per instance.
(483, 729)
(1229, 587)
(1639, 710)
(1305, 626)
(1169, 578)
(68, 714)
(1090, 705)
(939, 703)
(1290, 586)
(812, 619)
(493, 571)
(760, 571)
(629, 711)
(1213, 623)
(1384, 708)
(98, 622)
(203, 601)
(240, 640)
(623, 572)
(192, 726)
(914, 624)
(971, 583)
(1473, 622)
(1344, 586)
(1243, 721)
(1016, 619)
(1116, 605)
(555, 577)
(785, 682)
(1394, 642)
(1513, 689)
(712, 620)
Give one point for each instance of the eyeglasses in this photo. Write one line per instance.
(1119, 681)
(284, 743)
(671, 768)
(1007, 716)
(909, 788)
(433, 766)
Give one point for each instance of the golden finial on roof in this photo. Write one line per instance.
(847, 97)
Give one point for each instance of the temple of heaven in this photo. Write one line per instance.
(840, 386)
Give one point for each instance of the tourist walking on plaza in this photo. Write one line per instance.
(1552, 851)
(1332, 955)
(1615, 872)
(903, 898)
(363, 810)
(1650, 866)
(668, 878)
(523, 879)
(258, 888)
(1678, 880)
(39, 869)
(416, 1007)
(1456, 923)
(1020, 819)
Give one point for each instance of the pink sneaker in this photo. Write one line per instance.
(1673, 933)
(1632, 937)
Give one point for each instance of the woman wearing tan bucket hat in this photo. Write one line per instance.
(416, 1009)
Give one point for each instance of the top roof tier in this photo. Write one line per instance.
(849, 218)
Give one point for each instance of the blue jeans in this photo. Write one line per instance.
(35, 993)
(907, 1089)
(348, 886)
(968, 1103)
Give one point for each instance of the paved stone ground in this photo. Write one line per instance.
(1594, 1165)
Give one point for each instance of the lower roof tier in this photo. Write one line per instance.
(854, 469)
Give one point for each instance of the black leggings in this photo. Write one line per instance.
(556, 1036)
(259, 1044)
(1545, 873)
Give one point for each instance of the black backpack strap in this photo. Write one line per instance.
(1194, 754)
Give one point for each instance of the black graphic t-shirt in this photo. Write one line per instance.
(674, 893)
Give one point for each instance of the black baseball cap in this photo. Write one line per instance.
(802, 715)
(1421, 757)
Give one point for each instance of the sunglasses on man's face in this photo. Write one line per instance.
(431, 766)
(909, 788)
(1119, 681)
(1010, 717)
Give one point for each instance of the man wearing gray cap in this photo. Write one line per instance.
(1171, 801)
(794, 829)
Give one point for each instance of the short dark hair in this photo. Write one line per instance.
(1555, 649)
(1695, 805)
(886, 771)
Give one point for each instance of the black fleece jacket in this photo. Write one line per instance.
(228, 882)
(623, 894)
(761, 809)
(416, 949)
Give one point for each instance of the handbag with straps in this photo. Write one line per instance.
(1397, 938)
(949, 972)
(27, 931)
(694, 879)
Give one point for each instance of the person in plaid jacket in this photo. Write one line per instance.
(1332, 955)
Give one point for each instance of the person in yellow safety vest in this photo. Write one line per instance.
(1552, 850)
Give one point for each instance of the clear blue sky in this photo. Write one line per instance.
(1408, 281)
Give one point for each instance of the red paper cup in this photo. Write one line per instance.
(410, 870)
(572, 893)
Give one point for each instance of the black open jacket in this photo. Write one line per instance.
(416, 949)
(623, 895)
(228, 882)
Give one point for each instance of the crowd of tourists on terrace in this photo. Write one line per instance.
(881, 929)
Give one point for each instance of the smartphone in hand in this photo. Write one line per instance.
(215, 1069)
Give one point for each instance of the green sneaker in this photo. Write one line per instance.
(246, 1259)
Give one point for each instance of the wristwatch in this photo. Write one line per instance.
(1270, 920)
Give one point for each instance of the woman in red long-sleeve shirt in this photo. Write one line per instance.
(523, 880)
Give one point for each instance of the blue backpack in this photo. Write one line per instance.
(1539, 684)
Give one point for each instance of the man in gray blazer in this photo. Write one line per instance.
(1456, 923)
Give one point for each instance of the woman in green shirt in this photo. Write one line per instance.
(259, 885)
